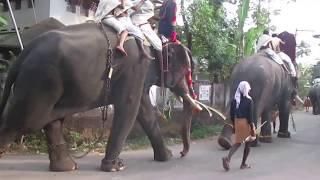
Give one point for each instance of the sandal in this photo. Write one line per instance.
(225, 163)
(245, 166)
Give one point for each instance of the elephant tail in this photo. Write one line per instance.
(11, 78)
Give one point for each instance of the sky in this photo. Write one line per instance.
(300, 18)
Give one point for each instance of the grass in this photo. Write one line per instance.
(35, 143)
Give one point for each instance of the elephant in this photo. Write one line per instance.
(314, 95)
(63, 72)
(271, 86)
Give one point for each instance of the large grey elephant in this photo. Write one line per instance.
(63, 72)
(271, 86)
(314, 95)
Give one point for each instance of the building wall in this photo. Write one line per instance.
(44, 9)
(58, 11)
(25, 16)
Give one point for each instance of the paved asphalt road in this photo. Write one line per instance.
(295, 158)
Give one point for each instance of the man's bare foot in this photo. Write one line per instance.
(121, 50)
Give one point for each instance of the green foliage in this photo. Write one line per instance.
(305, 79)
(250, 39)
(213, 38)
(204, 131)
(3, 21)
(35, 142)
(260, 18)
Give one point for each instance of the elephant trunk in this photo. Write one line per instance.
(186, 128)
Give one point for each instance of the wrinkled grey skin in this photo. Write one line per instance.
(314, 95)
(179, 60)
(62, 72)
(270, 86)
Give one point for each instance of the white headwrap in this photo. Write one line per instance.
(243, 88)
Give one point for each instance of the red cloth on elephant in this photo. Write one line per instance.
(290, 44)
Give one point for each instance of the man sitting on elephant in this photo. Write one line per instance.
(271, 45)
(113, 13)
(144, 10)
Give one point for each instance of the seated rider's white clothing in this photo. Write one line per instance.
(152, 36)
(316, 81)
(112, 21)
(132, 29)
(273, 55)
(143, 14)
(287, 59)
(104, 8)
(140, 18)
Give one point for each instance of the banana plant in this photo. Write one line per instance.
(242, 16)
(3, 21)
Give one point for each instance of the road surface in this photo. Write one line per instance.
(295, 158)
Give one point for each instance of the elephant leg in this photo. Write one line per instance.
(284, 111)
(150, 125)
(126, 98)
(59, 157)
(265, 135)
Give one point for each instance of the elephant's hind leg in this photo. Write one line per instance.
(150, 125)
(60, 160)
(265, 135)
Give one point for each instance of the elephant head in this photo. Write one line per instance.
(178, 79)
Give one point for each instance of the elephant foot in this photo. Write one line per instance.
(265, 139)
(2, 152)
(60, 159)
(284, 134)
(163, 155)
(224, 142)
(112, 165)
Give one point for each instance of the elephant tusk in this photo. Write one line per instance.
(179, 98)
(192, 102)
(205, 107)
(212, 109)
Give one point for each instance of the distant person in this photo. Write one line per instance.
(241, 114)
(307, 103)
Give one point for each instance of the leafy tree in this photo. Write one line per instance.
(212, 38)
(305, 79)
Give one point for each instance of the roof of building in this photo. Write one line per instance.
(10, 41)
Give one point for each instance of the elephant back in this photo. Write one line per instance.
(264, 75)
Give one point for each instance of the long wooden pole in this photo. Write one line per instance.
(15, 24)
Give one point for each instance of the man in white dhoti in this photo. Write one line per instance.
(144, 10)
(114, 14)
(105, 14)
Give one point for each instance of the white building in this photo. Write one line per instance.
(26, 16)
